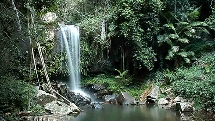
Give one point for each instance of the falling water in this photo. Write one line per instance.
(17, 15)
(70, 38)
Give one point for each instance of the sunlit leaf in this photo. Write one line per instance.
(173, 36)
(183, 40)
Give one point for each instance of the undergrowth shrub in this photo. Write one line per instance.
(116, 85)
(14, 94)
(197, 82)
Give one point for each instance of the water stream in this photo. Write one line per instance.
(70, 39)
(127, 113)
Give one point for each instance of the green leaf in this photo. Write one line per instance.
(196, 24)
(164, 38)
(124, 73)
(170, 55)
(175, 49)
(194, 14)
(204, 30)
(182, 24)
(187, 60)
(173, 36)
(188, 33)
(183, 54)
(183, 40)
(170, 26)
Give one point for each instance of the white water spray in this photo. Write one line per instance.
(17, 16)
(70, 37)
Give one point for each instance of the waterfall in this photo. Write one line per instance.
(69, 37)
(17, 15)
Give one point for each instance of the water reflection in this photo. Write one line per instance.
(127, 113)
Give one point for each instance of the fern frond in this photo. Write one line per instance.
(173, 36)
(198, 24)
(183, 40)
(124, 73)
(194, 15)
(164, 39)
(183, 54)
(187, 60)
(118, 71)
(169, 26)
(175, 49)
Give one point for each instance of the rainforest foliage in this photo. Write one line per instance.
(169, 42)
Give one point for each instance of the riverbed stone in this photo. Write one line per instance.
(153, 95)
(186, 107)
(48, 118)
(126, 99)
(186, 116)
(102, 93)
(178, 99)
(112, 99)
(77, 98)
(44, 98)
(60, 108)
(163, 101)
(96, 105)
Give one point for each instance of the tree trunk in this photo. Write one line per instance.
(122, 57)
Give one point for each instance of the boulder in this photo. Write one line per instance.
(44, 98)
(60, 108)
(178, 99)
(153, 95)
(126, 99)
(102, 93)
(112, 99)
(163, 101)
(175, 106)
(186, 107)
(48, 118)
(77, 98)
(98, 87)
(96, 105)
(186, 116)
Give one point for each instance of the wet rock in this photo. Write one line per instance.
(175, 106)
(97, 105)
(186, 107)
(44, 98)
(96, 87)
(47, 118)
(182, 106)
(153, 95)
(77, 98)
(112, 99)
(163, 101)
(60, 108)
(126, 99)
(102, 93)
(141, 103)
(178, 99)
(186, 117)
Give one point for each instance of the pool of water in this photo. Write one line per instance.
(127, 113)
